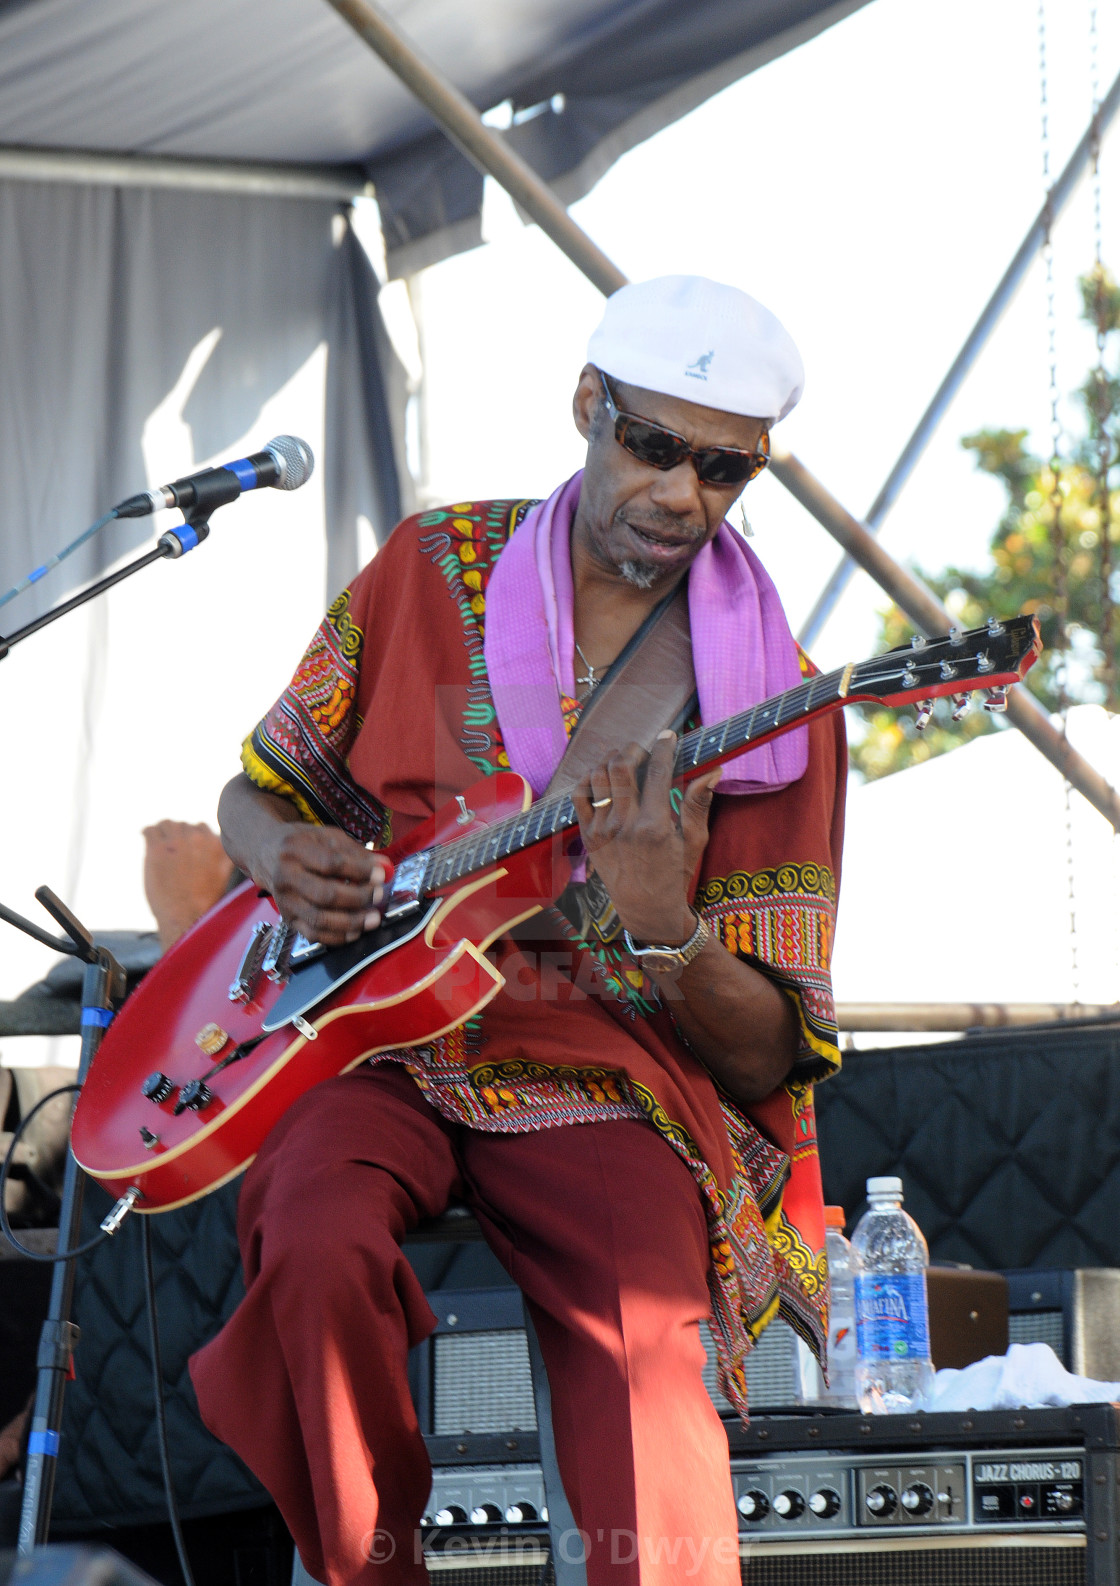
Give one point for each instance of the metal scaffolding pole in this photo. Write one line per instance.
(466, 129)
(1056, 200)
(241, 177)
(927, 613)
(462, 123)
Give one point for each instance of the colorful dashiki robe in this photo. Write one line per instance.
(389, 716)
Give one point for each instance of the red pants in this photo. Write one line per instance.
(601, 1227)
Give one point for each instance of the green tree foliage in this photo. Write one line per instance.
(1062, 574)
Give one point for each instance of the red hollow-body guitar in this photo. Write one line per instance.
(242, 1016)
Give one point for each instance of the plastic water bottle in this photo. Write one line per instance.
(894, 1373)
(842, 1312)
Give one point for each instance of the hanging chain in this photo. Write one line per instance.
(1059, 578)
(1100, 398)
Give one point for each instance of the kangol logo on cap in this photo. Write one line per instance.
(699, 369)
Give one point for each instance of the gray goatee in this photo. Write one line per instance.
(640, 574)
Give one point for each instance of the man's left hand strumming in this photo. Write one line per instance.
(736, 1020)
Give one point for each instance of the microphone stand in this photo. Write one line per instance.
(174, 544)
(104, 988)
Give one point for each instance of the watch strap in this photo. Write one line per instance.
(668, 957)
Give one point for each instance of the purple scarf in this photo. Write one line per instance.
(743, 651)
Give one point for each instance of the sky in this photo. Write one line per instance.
(870, 187)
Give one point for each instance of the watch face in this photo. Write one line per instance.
(660, 963)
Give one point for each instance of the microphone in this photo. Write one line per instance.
(285, 464)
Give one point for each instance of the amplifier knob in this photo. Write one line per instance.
(485, 1514)
(520, 1513)
(825, 1503)
(754, 1505)
(789, 1504)
(1063, 1502)
(452, 1515)
(882, 1500)
(917, 1499)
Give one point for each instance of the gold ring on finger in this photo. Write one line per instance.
(601, 804)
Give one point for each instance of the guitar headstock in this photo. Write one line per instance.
(992, 657)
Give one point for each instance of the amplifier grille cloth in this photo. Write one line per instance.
(482, 1383)
(497, 1575)
(964, 1566)
(1013, 1566)
(1037, 1327)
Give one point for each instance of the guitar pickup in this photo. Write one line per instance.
(407, 887)
(244, 983)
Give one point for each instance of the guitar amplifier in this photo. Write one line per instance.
(999, 1498)
(1028, 1498)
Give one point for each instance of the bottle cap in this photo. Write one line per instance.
(884, 1186)
(835, 1217)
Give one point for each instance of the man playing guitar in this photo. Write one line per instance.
(631, 1117)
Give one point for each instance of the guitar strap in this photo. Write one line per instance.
(650, 686)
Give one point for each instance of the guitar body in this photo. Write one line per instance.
(429, 975)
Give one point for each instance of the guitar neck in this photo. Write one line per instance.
(697, 751)
(991, 657)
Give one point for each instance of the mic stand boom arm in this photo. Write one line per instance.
(174, 544)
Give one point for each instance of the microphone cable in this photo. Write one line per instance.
(52, 561)
(160, 1403)
(47, 1257)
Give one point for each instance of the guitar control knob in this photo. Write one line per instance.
(789, 1505)
(825, 1503)
(520, 1513)
(917, 1499)
(881, 1501)
(486, 1514)
(157, 1087)
(194, 1095)
(754, 1505)
(452, 1515)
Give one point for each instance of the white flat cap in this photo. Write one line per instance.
(688, 337)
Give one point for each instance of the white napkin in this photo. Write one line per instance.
(1029, 1376)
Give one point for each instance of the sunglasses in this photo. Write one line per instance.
(661, 448)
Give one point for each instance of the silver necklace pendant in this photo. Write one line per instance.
(591, 680)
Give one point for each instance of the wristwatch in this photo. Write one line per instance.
(656, 959)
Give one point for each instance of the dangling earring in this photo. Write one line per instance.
(745, 522)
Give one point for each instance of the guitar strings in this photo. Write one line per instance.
(554, 815)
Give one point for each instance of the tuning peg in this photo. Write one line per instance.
(984, 662)
(918, 641)
(996, 701)
(956, 636)
(910, 677)
(923, 714)
(962, 704)
(995, 627)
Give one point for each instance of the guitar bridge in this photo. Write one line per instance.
(244, 983)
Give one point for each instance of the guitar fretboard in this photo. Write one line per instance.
(696, 751)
